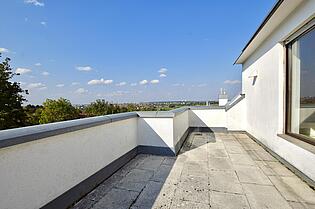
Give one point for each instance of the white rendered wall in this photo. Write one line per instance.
(236, 117)
(181, 124)
(34, 173)
(156, 132)
(207, 118)
(265, 98)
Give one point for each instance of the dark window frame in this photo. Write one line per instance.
(310, 26)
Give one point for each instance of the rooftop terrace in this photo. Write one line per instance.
(212, 170)
(191, 157)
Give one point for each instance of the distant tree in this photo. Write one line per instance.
(57, 110)
(97, 108)
(33, 113)
(12, 114)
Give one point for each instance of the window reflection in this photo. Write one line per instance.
(302, 82)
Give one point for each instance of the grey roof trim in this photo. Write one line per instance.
(16, 136)
(272, 11)
(234, 101)
(156, 114)
(206, 107)
(180, 110)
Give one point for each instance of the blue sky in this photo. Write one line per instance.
(128, 51)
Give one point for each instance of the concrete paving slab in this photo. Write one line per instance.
(262, 196)
(298, 205)
(220, 200)
(217, 152)
(116, 199)
(280, 169)
(265, 168)
(294, 189)
(153, 196)
(242, 159)
(151, 163)
(183, 204)
(162, 173)
(220, 164)
(225, 181)
(234, 149)
(251, 174)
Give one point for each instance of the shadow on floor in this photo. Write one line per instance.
(146, 180)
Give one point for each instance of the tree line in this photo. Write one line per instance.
(13, 114)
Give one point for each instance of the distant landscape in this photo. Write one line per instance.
(14, 113)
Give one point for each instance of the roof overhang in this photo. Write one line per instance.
(277, 14)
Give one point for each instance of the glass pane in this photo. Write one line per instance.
(303, 85)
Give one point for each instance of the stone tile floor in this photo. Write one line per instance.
(213, 170)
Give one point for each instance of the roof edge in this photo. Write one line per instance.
(266, 19)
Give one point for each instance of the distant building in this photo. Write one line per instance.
(223, 98)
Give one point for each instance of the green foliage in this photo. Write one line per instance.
(57, 110)
(33, 113)
(101, 107)
(12, 114)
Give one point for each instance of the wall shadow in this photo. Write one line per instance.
(145, 180)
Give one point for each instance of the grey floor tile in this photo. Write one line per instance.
(280, 169)
(262, 196)
(116, 199)
(225, 181)
(153, 196)
(242, 159)
(220, 164)
(251, 174)
(183, 204)
(216, 152)
(138, 175)
(294, 189)
(220, 200)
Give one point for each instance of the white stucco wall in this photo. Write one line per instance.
(207, 118)
(34, 173)
(236, 117)
(265, 97)
(181, 124)
(156, 132)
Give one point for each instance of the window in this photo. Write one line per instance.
(301, 86)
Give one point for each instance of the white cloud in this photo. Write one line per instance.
(38, 64)
(117, 93)
(81, 91)
(121, 83)
(100, 82)
(133, 84)
(4, 50)
(43, 23)
(232, 82)
(143, 82)
(162, 70)
(84, 68)
(36, 86)
(60, 85)
(163, 75)
(35, 2)
(155, 81)
(45, 73)
(75, 83)
(202, 85)
(178, 84)
(22, 70)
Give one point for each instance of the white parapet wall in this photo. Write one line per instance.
(155, 131)
(43, 165)
(207, 117)
(36, 172)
